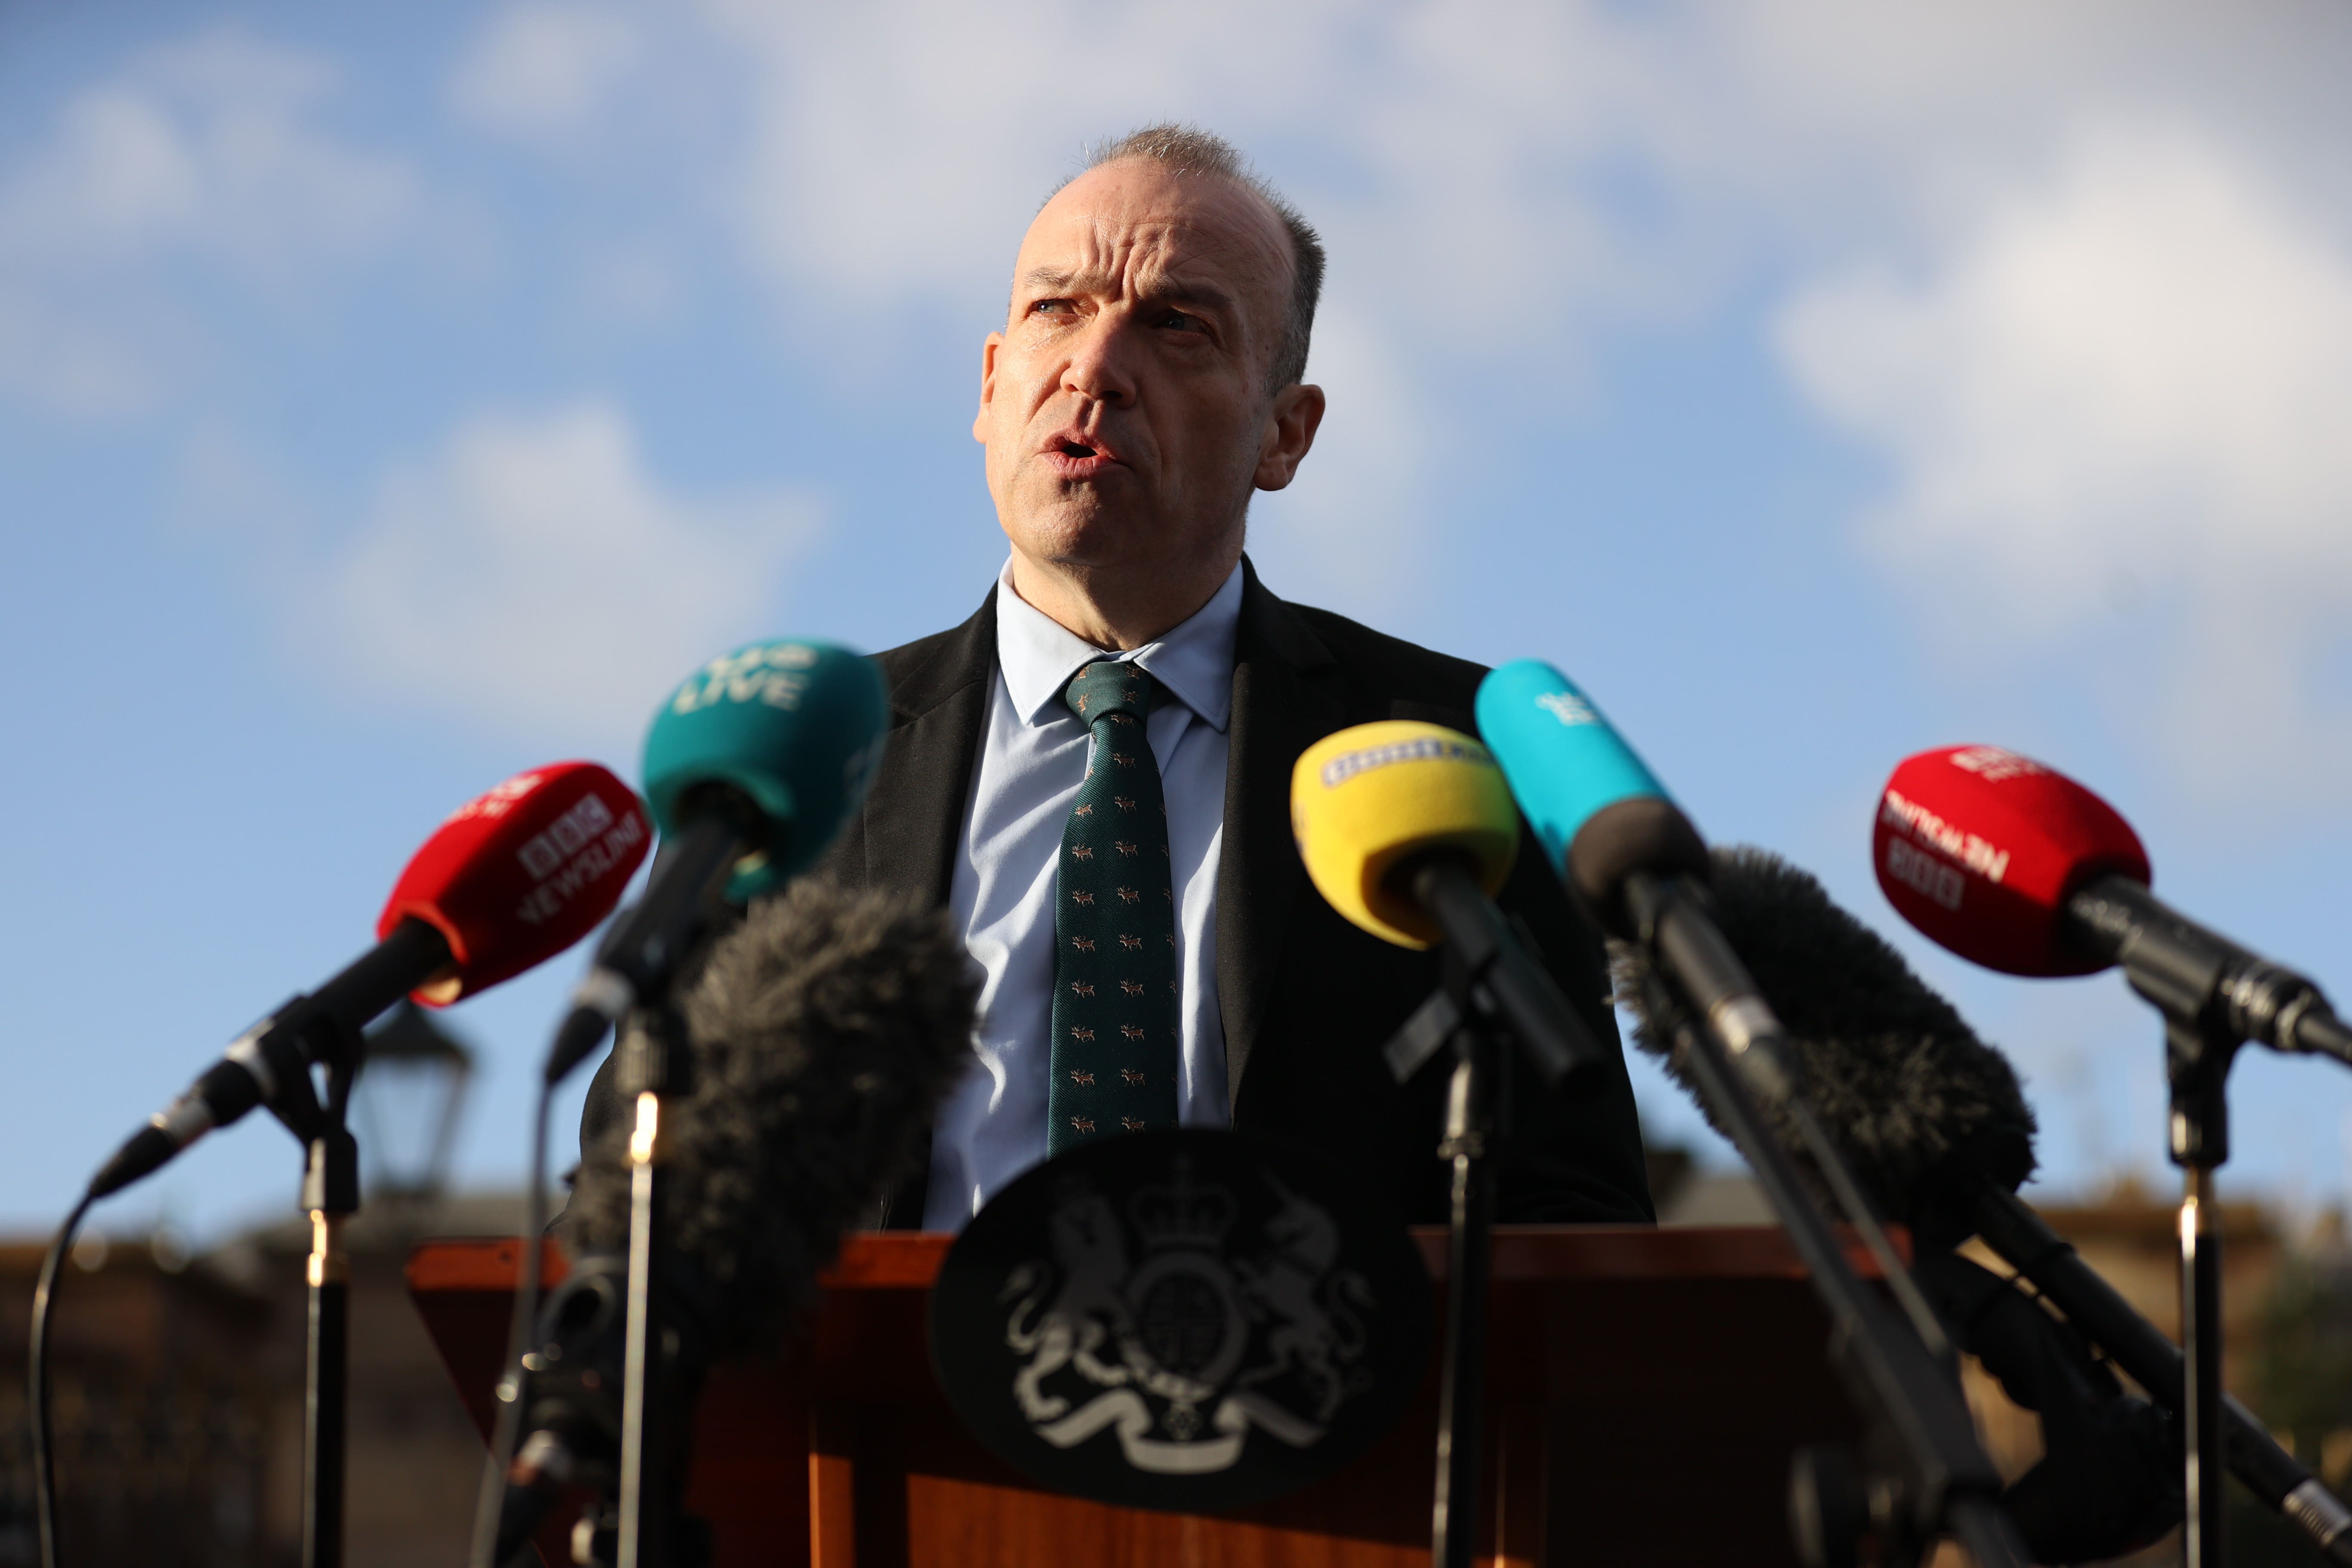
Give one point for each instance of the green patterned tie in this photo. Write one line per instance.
(1114, 1030)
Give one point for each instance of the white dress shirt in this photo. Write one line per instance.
(1032, 761)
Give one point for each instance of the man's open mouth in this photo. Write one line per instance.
(1079, 455)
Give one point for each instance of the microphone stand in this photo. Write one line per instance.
(2183, 973)
(2198, 1051)
(331, 1194)
(1491, 1005)
(689, 875)
(1932, 1475)
(2214, 996)
(1477, 1113)
(651, 1068)
(2197, 1063)
(666, 1317)
(330, 1191)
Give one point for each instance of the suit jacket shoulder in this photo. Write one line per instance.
(1406, 670)
(904, 836)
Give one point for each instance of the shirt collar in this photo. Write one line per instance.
(1194, 660)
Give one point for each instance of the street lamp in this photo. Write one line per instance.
(405, 1106)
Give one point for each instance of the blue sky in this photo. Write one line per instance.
(390, 401)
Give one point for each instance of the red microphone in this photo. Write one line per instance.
(509, 880)
(519, 874)
(1979, 848)
(2016, 866)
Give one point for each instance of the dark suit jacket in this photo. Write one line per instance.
(1308, 998)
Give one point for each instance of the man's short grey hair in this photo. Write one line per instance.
(1188, 149)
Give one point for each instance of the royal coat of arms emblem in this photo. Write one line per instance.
(1183, 1319)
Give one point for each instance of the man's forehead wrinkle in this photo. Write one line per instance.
(1139, 271)
(1161, 259)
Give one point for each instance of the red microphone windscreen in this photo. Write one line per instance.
(521, 872)
(1978, 848)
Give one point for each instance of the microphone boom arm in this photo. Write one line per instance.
(1668, 917)
(2014, 1231)
(1499, 976)
(2197, 975)
(1912, 1404)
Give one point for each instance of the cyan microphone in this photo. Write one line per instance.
(1631, 858)
(822, 1030)
(752, 767)
(2018, 868)
(1408, 830)
(508, 882)
(1934, 1122)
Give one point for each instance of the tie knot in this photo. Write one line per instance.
(1109, 687)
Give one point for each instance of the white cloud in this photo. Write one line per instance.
(543, 68)
(1346, 532)
(204, 153)
(534, 578)
(1449, 140)
(2137, 372)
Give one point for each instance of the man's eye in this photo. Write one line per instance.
(1178, 321)
(1050, 307)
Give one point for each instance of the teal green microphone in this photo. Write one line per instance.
(752, 767)
(780, 739)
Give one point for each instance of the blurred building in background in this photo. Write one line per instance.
(180, 1390)
(163, 1408)
(180, 1381)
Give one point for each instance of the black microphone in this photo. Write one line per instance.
(271, 1062)
(508, 881)
(823, 1032)
(652, 940)
(1932, 1121)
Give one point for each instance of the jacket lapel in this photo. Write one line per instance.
(912, 819)
(1284, 701)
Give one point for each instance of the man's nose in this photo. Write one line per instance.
(1102, 363)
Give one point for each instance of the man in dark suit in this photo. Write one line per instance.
(1148, 380)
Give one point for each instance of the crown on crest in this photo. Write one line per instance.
(1180, 1212)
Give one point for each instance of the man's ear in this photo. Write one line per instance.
(987, 386)
(1289, 432)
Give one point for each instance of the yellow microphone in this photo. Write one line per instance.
(1409, 830)
(1364, 801)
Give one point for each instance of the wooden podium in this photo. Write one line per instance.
(1647, 1388)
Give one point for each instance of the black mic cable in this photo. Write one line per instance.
(36, 1382)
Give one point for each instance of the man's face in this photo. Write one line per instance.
(1125, 407)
